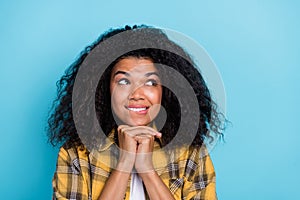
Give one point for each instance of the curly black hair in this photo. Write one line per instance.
(61, 127)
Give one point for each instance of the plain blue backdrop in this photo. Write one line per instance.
(254, 43)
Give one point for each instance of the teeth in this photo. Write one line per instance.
(136, 109)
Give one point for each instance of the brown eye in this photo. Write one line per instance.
(151, 82)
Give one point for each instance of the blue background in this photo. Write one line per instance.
(255, 45)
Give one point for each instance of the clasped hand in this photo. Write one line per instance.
(136, 147)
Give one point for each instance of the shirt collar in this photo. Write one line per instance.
(110, 140)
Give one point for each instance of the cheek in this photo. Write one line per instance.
(159, 94)
(155, 96)
(114, 99)
(118, 97)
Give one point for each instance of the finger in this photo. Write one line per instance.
(158, 135)
(121, 128)
(144, 139)
(143, 136)
(151, 131)
(141, 127)
(139, 130)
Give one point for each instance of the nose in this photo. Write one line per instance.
(137, 93)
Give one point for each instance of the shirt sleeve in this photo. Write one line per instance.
(199, 183)
(68, 182)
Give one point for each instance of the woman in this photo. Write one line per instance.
(145, 110)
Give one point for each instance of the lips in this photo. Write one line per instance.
(141, 109)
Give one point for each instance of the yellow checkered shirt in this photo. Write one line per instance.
(187, 172)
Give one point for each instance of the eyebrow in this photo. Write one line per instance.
(151, 73)
(121, 72)
(127, 74)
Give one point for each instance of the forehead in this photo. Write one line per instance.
(134, 65)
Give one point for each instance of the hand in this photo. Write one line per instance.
(145, 139)
(128, 146)
(137, 141)
(143, 161)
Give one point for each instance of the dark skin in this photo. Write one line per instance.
(136, 137)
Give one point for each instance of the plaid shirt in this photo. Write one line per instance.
(187, 172)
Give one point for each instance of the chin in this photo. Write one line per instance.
(137, 123)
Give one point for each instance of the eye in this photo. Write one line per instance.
(151, 82)
(123, 81)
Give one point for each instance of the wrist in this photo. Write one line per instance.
(125, 166)
(148, 175)
(126, 161)
(144, 169)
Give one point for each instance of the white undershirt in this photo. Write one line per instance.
(136, 187)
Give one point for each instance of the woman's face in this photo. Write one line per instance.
(136, 91)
